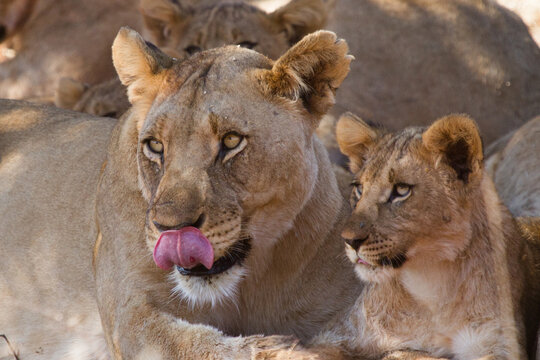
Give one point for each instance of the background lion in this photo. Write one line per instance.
(183, 28)
(514, 163)
(56, 38)
(419, 60)
(415, 61)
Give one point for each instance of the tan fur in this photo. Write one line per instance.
(448, 270)
(514, 164)
(51, 39)
(183, 27)
(278, 190)
(418, 60)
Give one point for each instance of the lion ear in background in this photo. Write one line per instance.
(140, 66)
(309, 73)
(68, 92)
(301, 17)
(13, 15)
(456, 139)
(161, 17)
(355, 138)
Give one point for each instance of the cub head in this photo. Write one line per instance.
(182, 29)
(225, 152)
(412, 193)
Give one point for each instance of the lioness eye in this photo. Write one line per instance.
(192, 49)
(155, 146)
(247, 44)
(231, 140)
(400, 192)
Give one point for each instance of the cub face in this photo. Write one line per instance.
(225, 146)
(411, 193)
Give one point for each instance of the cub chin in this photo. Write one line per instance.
(449, 271)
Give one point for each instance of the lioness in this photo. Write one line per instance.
(448, 270)
(217, 152)
(182, 28)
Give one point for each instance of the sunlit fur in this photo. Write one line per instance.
(448, 271)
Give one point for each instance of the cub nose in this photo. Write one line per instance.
(197, 224)
(356, 243)
(355, 234)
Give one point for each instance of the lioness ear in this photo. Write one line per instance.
(140, 66)
(159, 16)
(355, 138)
(311, 71)
(301, 17)
(457, 140)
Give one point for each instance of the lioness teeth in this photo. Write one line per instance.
(187, 248)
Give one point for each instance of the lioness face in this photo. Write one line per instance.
(223, 153)
(409, 203)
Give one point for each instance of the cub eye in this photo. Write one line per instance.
(192, 49)
(155, 146)
(357, 190)
(400, 192)
(247, 44)
(231, 140)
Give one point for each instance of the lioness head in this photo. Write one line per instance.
(411, 194)
(225, 150)
(182, 29)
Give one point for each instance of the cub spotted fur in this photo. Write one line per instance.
(448, 270)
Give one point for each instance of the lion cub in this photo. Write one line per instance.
(448, 270)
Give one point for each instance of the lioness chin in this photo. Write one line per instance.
(448, 270)
(215, 172)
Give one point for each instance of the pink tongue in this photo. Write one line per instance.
(186, 247)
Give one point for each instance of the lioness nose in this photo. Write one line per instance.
(196, 224)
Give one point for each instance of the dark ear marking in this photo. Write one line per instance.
(457, 140)
(457, 156)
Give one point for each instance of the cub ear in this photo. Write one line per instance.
(160, 16)
(310, 72)
(355, 138)
(456, 139)
(301, 17)
(140, 66)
